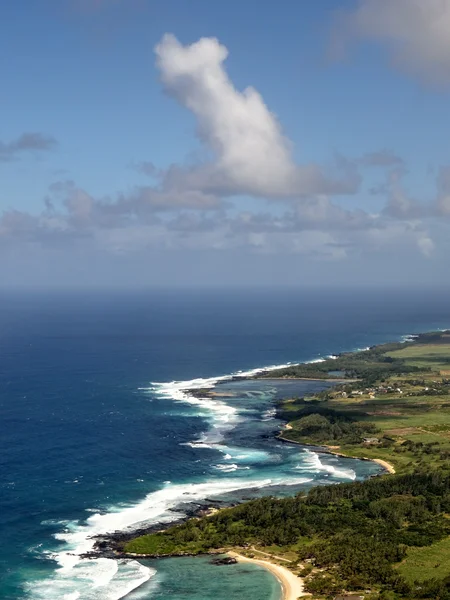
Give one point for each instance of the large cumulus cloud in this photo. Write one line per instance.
(249, 152)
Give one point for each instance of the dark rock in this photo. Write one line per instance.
(226, 560)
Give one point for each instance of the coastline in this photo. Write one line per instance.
(291, 585)
(110, 545)
(291, 378)
(390, 469)
(126, 492)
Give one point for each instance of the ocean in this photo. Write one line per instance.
(98, 433)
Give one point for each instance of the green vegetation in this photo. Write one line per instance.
(402, 417)
(429, 562)
(321, 427)
(369, 365)
(348, 536)
(388, 534)
(434, 356)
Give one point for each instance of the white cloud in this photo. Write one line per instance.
(399, 204)
(185, 210)
(317, 228)
(426, 245)
(417, 33)
(250, 153)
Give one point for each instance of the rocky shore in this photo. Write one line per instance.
(111, 545)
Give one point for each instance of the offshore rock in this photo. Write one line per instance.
(226, 560)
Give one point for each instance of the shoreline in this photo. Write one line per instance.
(109, 545)
(384, 463)
(333, 380)
(390, 469)
(291, 585)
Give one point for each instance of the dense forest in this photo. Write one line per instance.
(347, 536)
(315, 424)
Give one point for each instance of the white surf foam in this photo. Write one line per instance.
(312, 463)
(269, 414)
(244, 455)
(197, 445)
(409, 338)
(227, 468)
(223, 417)
(102, 579)
(107, 579)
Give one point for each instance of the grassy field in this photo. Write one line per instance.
(435, 356)
(427, 563)
(411, 413)
(405, 407)
(422, 420)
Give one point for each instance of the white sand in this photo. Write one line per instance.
(291, 584)
(384, 464)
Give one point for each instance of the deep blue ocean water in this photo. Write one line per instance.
(90, 440)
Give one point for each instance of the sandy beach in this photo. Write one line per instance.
(384, 464)
(334, 450)
(291, 584)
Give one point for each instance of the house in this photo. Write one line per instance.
(349, 597)
(371, 440)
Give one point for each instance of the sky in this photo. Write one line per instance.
(203, 143)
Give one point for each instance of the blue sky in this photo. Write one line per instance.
(335, 167)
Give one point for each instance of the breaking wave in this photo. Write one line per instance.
(78, 578)
(312, 464)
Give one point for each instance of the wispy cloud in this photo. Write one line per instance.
(381, 158)
(27, 142)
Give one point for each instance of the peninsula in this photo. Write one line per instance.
(385, 538)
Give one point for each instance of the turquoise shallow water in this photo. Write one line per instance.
(198, 579)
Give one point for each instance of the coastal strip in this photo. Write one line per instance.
(292, 585)
(334, 450)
